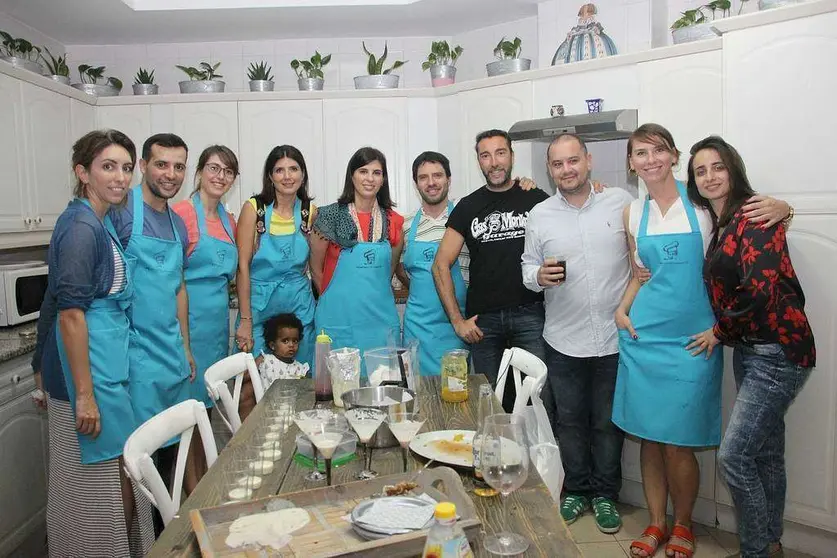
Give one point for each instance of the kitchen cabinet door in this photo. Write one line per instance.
(132, 120)
(450, 140)
(14, 211)
(777, 80)
(200, 125)
(493, 107)
(350, 124)
(264, 125)
(46, 117)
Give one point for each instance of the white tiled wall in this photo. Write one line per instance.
(19, 29)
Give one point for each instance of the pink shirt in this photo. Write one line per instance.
(215, 227)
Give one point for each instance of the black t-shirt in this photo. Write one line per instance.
(494, 227)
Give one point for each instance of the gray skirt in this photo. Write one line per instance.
(85, 515)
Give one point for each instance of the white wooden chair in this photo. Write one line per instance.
(180, 419)
(522, 363)
(216, 378)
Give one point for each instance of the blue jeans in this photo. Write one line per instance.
(752, 453)
(591, 445)
(520, 326)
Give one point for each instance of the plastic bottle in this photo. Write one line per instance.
(322, 377)
(487, 405)
(446, 538)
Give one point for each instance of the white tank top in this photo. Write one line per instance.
(674, 221)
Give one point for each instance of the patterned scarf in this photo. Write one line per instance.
(375, 223)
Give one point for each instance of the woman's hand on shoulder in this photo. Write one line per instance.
(766, 210)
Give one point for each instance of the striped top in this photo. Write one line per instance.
(432, 230)
(118, 270)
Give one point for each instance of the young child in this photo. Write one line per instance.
(283, 334)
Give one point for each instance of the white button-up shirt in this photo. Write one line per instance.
(579, 311)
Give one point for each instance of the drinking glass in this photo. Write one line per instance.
(365, 423)
(240, 482)
(268, 438)
(308, 422)
(325, 438)
(504, 459)
(404, 427)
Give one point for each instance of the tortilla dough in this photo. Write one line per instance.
(267, 529)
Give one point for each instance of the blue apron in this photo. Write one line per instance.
(279, 285)
(212, 265)
(159, 370)
(425, 319)
(107, 338)
(357, 308)
(663, 393)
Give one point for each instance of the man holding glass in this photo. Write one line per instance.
(575, 253)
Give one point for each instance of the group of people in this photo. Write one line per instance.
(607, 290)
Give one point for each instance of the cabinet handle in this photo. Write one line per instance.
(16, 379)
(28, 222)
(38, 220)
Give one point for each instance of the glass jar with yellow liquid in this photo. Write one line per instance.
(455, 376)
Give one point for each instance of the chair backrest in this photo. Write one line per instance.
(180, 419)
(525, 363)
(216, 377)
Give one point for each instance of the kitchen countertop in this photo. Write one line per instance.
(17, 340)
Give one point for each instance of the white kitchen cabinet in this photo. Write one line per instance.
(423, 135)
(200, 125)
(264, 125)
(14, 211)
(619, 87)
(350, 124)
(132, 120)
(777, 79)
(449, 141)
(495, 107)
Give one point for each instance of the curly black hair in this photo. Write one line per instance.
(277, 322)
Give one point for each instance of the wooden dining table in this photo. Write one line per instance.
(531, 510)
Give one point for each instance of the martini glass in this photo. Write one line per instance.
(326, 437)
(309, 422)
(404, 427)
(365, 422)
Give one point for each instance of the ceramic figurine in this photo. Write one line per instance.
(585, 41)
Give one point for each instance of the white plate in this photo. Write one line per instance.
(423, 445)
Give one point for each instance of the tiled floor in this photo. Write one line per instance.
(711, 542)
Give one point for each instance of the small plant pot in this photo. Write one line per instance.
(770, 4)
(24, 64)
(594, 105)
(310, 84)
(60, 79)
(384, 81)
(691, 33)
(510, 66)
(442, 74)
(97, 89)
(145, 88)
(201, 86)
(261, 85)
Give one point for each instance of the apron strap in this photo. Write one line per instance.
(222, 214)
(139, 212)
(643, 222)
(690, 209)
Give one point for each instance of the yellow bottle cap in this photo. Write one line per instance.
(323, 338)
(445, 510)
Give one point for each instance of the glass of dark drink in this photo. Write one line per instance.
(557, 261)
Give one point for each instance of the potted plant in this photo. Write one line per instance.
(144, 83)
(90, 76)
(260, 77)
(20, 53)
(508, 58)
(203, 80)
(694, 25)
(310, 72)
(378, 77)
(442, 63)
(57, 67)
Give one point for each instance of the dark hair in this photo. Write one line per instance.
(361, 158)
(91, 144)
(739, 185)
(224, 153)
(163, 140)
(430, 157)
(268, 194)
(277, 322)
(653, 134)
(493, 134)
(564, 136)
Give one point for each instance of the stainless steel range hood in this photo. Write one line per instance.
(596, 126)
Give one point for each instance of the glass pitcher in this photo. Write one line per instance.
(344, 365)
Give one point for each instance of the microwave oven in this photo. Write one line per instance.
(22, 289)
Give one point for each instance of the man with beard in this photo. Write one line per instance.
(155, 242)
(500, 312)
(585, 229)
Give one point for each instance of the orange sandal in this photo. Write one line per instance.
(684, 533)
(651, 532)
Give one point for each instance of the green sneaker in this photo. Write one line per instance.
(573, 507)
(607, 516)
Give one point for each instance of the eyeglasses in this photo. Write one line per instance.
(214, 169)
